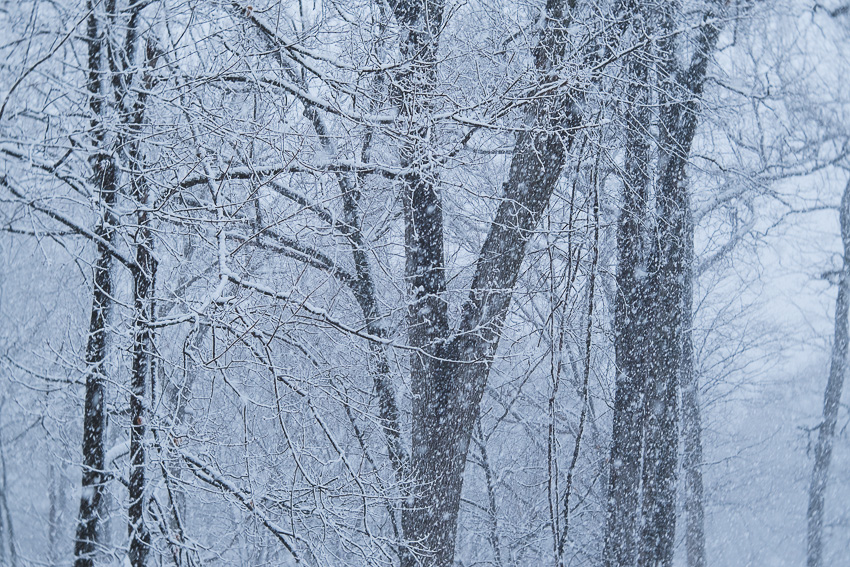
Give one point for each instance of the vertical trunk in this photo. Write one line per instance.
(2, 525)
(653, 311)
(94, 413)
(664, 356)
(8, 546)
(691, 429)
(54, 515)
(585, 393)
(144, 278)
(430, 522)
(661, 435)
(105, 176)
(671, 272)
(831, 399)
(94, 479)
(630, 315)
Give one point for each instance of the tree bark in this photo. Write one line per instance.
(431, 522)
(831, 398)
(653, 319)
(692, 432)
(144, 280)
(631, 316)
(143, 285)
(56, 499)
(8, 543)
(671, 272)
(105, 172)
(450, 375)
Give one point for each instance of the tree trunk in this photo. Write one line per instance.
(448, 377)
(431, 522)
(692, 432)
(56, 499)
(671, 272)
(105, 172)
(831, 399)
(8, 544)
(143, 284)
(144, 279)
(630, 315)
(94, 479)
(653, 310)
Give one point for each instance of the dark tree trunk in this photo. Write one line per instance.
(448, 376)
(94, 413)
(661, 435)
(105, 177)
(631, 339)
(671, 272)
(831, 398)
(56, 499)
(431, 522)
(144, 279)
(143, 284)
(8, 543)
(653, 319)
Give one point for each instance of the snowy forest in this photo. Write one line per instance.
(424, 283)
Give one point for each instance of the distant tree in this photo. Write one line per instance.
(831, 397)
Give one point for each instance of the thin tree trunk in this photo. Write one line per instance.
(143, 283)
(144, 279)
(106, 178)
(491, 494)
(585, 391)
(56, 497)
(831, 399)
(94, 412)
(661, 434)
(8, 545)
(106, 181)
(692, 430)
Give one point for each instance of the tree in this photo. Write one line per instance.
(831, 397)
(94, 421)
(449, 377)
(338, 244)
(654, 316)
